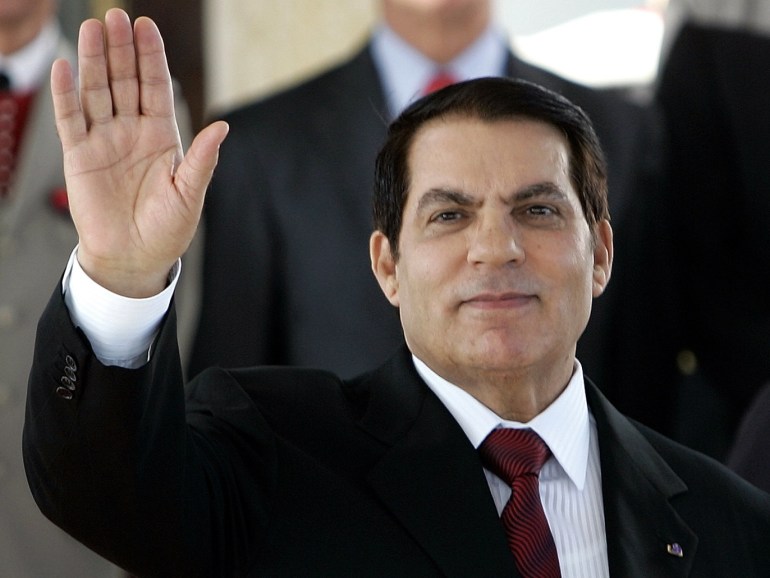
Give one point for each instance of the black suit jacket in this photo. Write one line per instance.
(294, 472)
(287, 277)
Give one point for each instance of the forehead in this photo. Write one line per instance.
(472, 153)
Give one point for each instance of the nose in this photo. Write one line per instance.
(494, 241)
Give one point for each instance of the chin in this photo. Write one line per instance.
(503, 358)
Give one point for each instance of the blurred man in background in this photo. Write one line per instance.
(264, 300)
(36, 232)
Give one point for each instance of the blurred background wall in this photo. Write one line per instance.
(224, 52)
(254, 46)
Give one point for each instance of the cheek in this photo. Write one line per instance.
(420, 290)
(570, 272)
(581, 287)
(411, 292)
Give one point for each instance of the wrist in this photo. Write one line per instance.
(133, 281)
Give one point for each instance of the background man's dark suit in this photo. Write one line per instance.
(287, 277)
(702, 247)
(294, 472)
(752, 442)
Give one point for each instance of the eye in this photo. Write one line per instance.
(446, 217)
(539, 215)
(540, 211)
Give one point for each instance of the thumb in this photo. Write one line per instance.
(194, 172)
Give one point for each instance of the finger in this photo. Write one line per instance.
(194, 173)
(69, 118)
(155, 91)
(95, 98)
(121, 63)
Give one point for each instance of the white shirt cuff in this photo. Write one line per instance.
(121, 329)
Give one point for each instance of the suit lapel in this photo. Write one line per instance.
(431, 478)
(644, 532)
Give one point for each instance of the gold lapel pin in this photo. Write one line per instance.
(675, 550)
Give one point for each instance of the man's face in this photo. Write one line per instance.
(438, 8)
(15, 12)
(497, 268)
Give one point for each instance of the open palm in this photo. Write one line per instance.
(135, 199)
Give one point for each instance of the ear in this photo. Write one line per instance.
(603, 254)
(384, 266)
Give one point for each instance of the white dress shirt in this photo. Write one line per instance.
(121, 331)
(570, 481)
(404, 71)
(28, 67)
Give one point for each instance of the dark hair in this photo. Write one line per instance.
(488, 99)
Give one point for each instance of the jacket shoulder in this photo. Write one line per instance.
(356, 76)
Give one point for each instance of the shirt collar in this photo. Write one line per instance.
(29, 66)
(564, 425)
(404, 71)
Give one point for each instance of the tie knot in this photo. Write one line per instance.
(509, 453)
(439, 80)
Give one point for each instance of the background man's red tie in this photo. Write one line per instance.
(516, 456)
(13, 113)
(439, 81)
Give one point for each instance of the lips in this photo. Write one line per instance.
(508, 300)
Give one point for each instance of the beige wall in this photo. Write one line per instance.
(278, 42)
(256, 46)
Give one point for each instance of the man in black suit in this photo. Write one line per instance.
(491, 238)
(284, 280)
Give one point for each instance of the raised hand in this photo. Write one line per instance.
(135, 199)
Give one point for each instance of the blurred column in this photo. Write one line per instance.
(180, 22)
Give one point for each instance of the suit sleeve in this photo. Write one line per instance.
(111, 458)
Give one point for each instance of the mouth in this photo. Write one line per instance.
(498, 301)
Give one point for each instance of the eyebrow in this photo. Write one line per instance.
(439, 196)
(545, 189)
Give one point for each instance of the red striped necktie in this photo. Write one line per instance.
(516, 457)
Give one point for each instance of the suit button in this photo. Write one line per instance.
(70, 373)
(687, 362)
(64, 393)
(70, 361)
(68, 383)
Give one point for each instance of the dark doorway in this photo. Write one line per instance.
(180, 22)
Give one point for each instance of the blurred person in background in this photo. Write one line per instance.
(261, 302)
(36, 232)
(748, 15)
(704, 238)
(752, 442)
